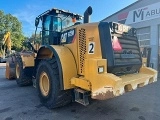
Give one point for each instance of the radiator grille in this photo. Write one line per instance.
(130, 53)
(82, 48)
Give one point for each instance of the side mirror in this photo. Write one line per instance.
(36, 21)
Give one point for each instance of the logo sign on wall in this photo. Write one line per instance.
(141, 14)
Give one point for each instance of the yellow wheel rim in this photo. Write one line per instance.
(44, 84)
(17, 71)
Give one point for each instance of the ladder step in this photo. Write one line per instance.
(81, 96)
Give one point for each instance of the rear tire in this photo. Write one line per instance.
(48, 85)
(23, 76)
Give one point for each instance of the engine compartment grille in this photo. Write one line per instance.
(82, 48)
(129, 54)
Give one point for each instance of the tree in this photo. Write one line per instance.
(35, 38)
(9, 23)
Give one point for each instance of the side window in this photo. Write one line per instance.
(56, 24)
(45, 32)
(46, 25)
(67, 22)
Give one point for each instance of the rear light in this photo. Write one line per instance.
(116, 44)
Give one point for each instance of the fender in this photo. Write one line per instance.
(65, 60)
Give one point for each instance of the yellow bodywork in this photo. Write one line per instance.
(68, 65)
(102, 85)
(28, 59)
(80, 69)
(106, 85)
(67, 61)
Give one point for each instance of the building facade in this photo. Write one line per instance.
(145, 16)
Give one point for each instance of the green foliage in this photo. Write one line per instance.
(35, 38)
(11, 24)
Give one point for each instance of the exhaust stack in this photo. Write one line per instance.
(87, 14)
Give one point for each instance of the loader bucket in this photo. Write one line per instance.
(10, 67)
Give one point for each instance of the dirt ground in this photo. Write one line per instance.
(22, 103)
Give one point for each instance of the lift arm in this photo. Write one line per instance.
(7, 40)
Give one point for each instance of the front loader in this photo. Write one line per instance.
(78, 61)
(21, 61)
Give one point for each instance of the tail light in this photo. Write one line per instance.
(116, 44)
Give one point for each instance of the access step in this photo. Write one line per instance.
(81, 96)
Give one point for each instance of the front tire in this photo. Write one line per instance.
(23, 76)
(48, 85)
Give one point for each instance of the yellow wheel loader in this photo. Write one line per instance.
(78, 61)
(17, 65)
(8, 56)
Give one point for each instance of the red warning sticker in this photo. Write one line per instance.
(116, 44)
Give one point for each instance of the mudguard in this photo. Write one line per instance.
(66, 63)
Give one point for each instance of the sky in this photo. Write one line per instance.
(27, 10)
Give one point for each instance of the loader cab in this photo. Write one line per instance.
(53, 22)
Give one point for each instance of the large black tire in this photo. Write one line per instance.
(55, 97)
(23, 76)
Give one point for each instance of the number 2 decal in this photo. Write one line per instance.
(91, 47)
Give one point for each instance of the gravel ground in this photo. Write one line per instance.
(22, 103)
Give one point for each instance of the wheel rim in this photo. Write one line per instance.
(44, 84)
(17, 71)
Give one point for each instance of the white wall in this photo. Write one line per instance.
(152, 23)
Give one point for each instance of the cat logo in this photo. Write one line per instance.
(64, 37)
(67, 36)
